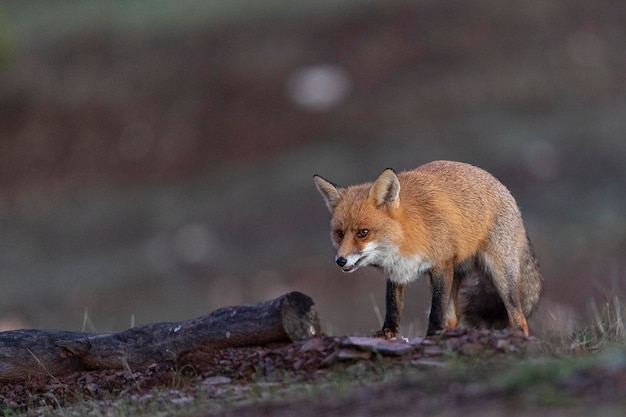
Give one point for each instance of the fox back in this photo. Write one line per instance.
(447, 220)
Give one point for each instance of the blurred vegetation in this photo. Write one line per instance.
(35, 19)
(156, 157)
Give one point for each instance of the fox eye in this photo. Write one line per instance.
(362, 233)
(339, 233)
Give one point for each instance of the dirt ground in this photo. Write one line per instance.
(459, 371)
(299, 361)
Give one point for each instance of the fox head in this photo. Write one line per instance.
(364, 225)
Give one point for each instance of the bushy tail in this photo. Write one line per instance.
(480, 303)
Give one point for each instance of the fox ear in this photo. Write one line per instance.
(329, 191)
(386, 189)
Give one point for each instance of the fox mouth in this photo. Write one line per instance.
(353, 267)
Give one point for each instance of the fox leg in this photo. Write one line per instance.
(394, 301)
(506, 279)
(452, 316)
(441, 282)
(514, 306)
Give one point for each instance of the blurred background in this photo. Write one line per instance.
(156, 157)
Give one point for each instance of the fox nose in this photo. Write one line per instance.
(341, 261)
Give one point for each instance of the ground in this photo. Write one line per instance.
(465, 370)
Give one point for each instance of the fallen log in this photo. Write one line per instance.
(31, 352)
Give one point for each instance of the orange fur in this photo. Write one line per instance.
(444, 220)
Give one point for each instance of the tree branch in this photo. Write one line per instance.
(30, 352)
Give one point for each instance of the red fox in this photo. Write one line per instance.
(450, 221)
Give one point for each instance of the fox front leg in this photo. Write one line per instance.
(441, 285)
(394, 301)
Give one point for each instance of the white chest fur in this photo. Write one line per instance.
(398, 268)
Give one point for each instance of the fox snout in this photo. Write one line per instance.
(350, 263)
(351, 260)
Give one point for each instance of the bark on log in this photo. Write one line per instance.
(28, 353)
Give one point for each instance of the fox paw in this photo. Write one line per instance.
(385, 333)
